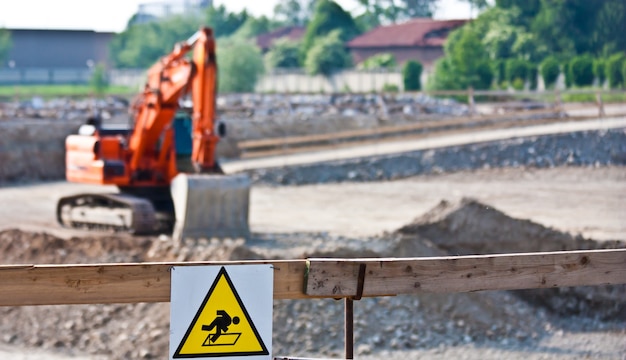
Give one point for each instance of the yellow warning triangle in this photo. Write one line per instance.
(222, 326)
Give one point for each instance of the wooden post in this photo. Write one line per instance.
(557, 100)
(600, 104)
(349, 328)
(470, 101)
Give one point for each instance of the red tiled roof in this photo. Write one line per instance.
(295, 33)
(416, 32)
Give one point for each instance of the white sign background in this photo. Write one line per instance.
(190, 285)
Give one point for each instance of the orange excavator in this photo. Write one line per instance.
(142, 161)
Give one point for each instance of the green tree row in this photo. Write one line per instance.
(511, 42)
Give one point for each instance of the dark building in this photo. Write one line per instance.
(58, 49)
(417, 39)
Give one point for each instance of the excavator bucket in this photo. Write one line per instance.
(209, 206)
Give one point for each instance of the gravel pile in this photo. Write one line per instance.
(589, 148)
(314, 328)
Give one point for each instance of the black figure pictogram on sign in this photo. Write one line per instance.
(220, 324)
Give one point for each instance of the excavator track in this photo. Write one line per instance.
(108, 212)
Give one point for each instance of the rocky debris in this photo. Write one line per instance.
(589, 148)
(255, 105)
(71, 109)
(314, 328)
(237, 106)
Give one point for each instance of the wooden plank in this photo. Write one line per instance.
(118, 283)
(338, 277)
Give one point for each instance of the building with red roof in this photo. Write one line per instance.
(419, 39)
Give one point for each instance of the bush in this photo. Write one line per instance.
(568, 75)
(499, 70)
(624, 71)
(98, 81)
(411, 76)
(581, 70)
(599, 71)
(240, 64)
(550, 71)
(533, 72)
(484, 75)
(613, 69)
(516, 71)
(283, 54)
(379, 61)
(327, 55)
(390, 88)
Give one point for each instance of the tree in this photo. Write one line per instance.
(327, 55)
(328, 16)
(581, 26)
(468, 58)
(411, 76)
(466, 63)
(141, 45)
(253, 26)
(223, 22)
(392, 11)
(5, 44)
(581, 70)
(240, 64)
(284, 53)
(550, 71)
(292, 12)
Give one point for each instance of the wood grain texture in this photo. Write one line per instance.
(314, 278)
(118, 283)
(338, 277)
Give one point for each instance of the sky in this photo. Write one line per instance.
(112, 15)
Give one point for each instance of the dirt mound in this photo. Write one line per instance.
(470, 227)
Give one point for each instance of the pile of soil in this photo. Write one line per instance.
(315, 327)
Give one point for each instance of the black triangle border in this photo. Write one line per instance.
(264, 351)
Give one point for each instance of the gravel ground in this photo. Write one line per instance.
(572, 149)
(542, 324)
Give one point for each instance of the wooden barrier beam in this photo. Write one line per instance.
(334, 278)
(338, 278)
(118, 283)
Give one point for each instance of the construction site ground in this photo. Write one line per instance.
(528, 209)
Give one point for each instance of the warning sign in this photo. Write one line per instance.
(229, 320)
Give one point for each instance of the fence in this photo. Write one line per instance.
(349, 279)
(503, 109)
(276, 81)
(70, 76)
(297, 81)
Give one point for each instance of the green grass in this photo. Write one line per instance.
(606, 98)
(49, 91)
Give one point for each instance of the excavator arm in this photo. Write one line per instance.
(174, 76)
